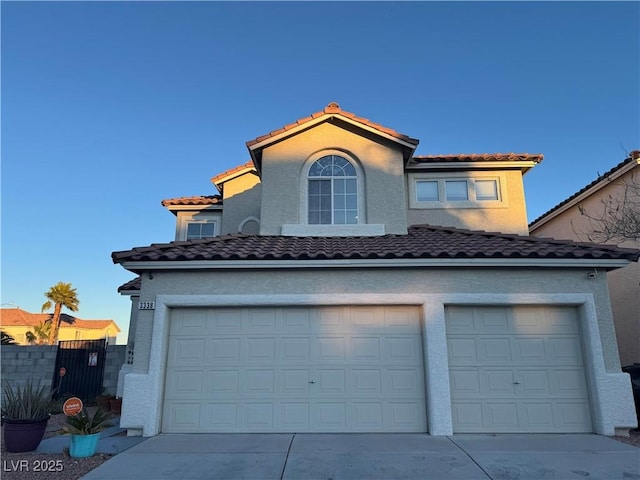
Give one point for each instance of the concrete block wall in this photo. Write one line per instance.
(116, 356)
(22, 363)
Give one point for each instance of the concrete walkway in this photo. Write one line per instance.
(373, 457)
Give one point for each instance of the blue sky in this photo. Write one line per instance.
(110, 107)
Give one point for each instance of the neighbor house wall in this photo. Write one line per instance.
(283, 175)
(624, 283)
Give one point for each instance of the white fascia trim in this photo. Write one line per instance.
(524, 166)
(131, 293)
(374, 263)
(584, 195)
(324, 118)
(182, 208)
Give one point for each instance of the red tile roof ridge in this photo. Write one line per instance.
(193, 200)
(331, 109)
(20, 317)
(536, 157)
(231, 171)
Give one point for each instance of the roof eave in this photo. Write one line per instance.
(523, 166)
(143, 266)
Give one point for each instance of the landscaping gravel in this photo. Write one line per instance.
(34, 465)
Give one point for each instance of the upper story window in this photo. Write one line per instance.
(196, 230)
(332, 192)
(452, 191)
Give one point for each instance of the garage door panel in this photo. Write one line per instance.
(494, 350)
(255, 371)
(260, 350)
(528, 378)
(222, 382)
(257, 416)
(464, 383)
(329, 349)
(462, 350)
(296, 320)
(220, 416)
(294, 382)
(295, 349)
(529, 350)
(407, 349)
(224, 350)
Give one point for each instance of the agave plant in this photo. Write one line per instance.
(26, 403)
(85, 424)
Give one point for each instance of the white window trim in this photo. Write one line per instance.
(304, 185)
(441, 178)
(185, 226)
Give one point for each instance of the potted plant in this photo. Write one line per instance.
(25, 413)
(85, 431)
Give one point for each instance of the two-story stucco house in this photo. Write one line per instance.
(584, 212)
(341, 283)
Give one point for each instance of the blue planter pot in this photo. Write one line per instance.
(83, 445)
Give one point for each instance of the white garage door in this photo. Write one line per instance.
(517, 369)
(323, 369)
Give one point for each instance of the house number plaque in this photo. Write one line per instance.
(146, 305)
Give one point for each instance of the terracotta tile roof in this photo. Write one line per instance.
(334, 108)
(196, 200)
(422, 241)
(17, 317)
(634, 157)
(131, 286)
(231, 171)
(479, 157)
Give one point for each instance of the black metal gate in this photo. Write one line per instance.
(79, 369)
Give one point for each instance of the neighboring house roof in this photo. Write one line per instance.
(421, 242)
(131, 286)
(16, 317)
(601, 181)
(196, 200)
(331, 112)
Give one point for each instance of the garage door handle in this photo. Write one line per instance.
(516, 383)
(312, 381)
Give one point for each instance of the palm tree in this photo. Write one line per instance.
(40, 333)
(6, 339)
(60, 295)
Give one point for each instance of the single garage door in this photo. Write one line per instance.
(517, 369)
(321, 369)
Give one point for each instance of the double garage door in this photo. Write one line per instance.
(361, 369)
(322, 369)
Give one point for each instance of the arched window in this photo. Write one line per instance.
(332, 192)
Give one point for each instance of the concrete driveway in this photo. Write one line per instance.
(373, 457)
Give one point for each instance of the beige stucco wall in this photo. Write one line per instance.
(377, 281)
(624, 284)
(510, 216)
(241, 200)
(283, 170)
